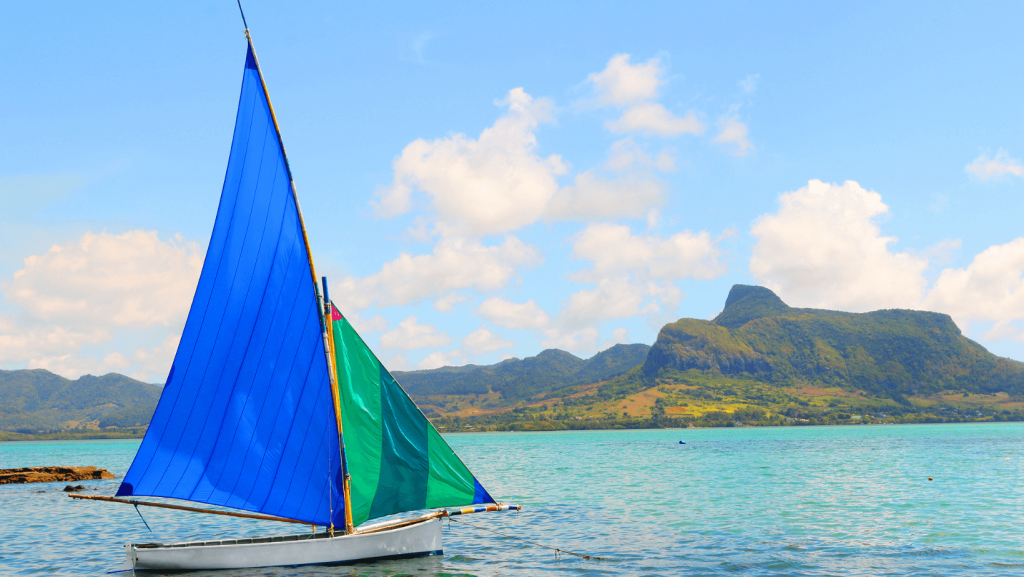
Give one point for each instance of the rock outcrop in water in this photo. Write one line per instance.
(52, 474)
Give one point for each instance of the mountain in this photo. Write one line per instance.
(517, 379)
(762, 362)
(886, 353)
(34, 400)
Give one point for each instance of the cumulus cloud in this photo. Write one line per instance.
(82, 293)
(626, 154)
(448, 302)
(491, 185)
(582, 340)
(616, 298)
(1000, 165)
(441, 359)
(652, 118)
(155, 361)
(614, 249)
(19, 344)
(363, 326)
(990, 289)
(622, 83)
(513, 315)
(132, 279)
(456, 264)
(483, 341)
(823, 248)
(592, 196)
(734, 134)
(411, 335)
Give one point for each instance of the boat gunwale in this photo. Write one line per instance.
(408, 523)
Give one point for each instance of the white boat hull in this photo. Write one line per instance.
(419, 539)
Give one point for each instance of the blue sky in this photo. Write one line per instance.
(480, 181)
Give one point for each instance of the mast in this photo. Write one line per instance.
(322, 303)
(336, 394)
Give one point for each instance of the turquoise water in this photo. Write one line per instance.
(744, 501)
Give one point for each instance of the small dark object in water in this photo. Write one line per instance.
(70, 489)
(929, 478)
(682, 442)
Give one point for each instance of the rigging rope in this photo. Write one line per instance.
(555, 549)
(141, 517)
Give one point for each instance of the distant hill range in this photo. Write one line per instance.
(516, 379)
(38, 400)
(885, 353)
(758, 362)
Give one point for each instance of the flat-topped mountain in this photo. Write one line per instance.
(886, 353)
(516, 379)
(36, 399)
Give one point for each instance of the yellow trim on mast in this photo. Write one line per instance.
(336, 393)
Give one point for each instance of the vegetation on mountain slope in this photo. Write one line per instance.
(34, 401)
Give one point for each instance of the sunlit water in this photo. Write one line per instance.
(744, 501)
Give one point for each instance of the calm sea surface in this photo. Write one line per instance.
(746, 501)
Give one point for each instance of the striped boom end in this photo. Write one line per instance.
(482, 509)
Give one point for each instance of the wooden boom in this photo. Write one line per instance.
(183, 508)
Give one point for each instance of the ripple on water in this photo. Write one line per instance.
(795, 501)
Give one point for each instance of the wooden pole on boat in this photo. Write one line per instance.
(138, 503)
(346, 483)
(324, 323)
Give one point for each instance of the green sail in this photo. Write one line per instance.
(397, 459)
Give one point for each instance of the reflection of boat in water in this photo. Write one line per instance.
(265, 375)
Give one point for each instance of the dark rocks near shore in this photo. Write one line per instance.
(52, 475)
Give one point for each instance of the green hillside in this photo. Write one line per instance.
(516, 379)
(38, 400)
(763, 362)
(886, 353)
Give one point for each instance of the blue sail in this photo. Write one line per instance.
(246, 419)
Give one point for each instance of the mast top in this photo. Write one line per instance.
(243, 18)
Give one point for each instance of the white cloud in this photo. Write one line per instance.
(734, 133)
(154, 363)
(614, 249)
(442, 359)
(626, 154)
(456, 264)
(591, 197)
(363, 326)
(19, 344)
(990, 289)
(132, 279)
(616, 298)
(582, 340)
(410, 335)
(513, 315)
(622, 83)
(483, 341)
(72, 366)
(78, 294)
(448, 302)
(1000, 165)
(619, 336)
(653, 119)
(824, 249)
(491, 185)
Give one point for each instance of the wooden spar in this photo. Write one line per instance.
(321, 303)
(346, 483)
(441, 514)
(183, 508)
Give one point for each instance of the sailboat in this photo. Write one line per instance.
(274, 408)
